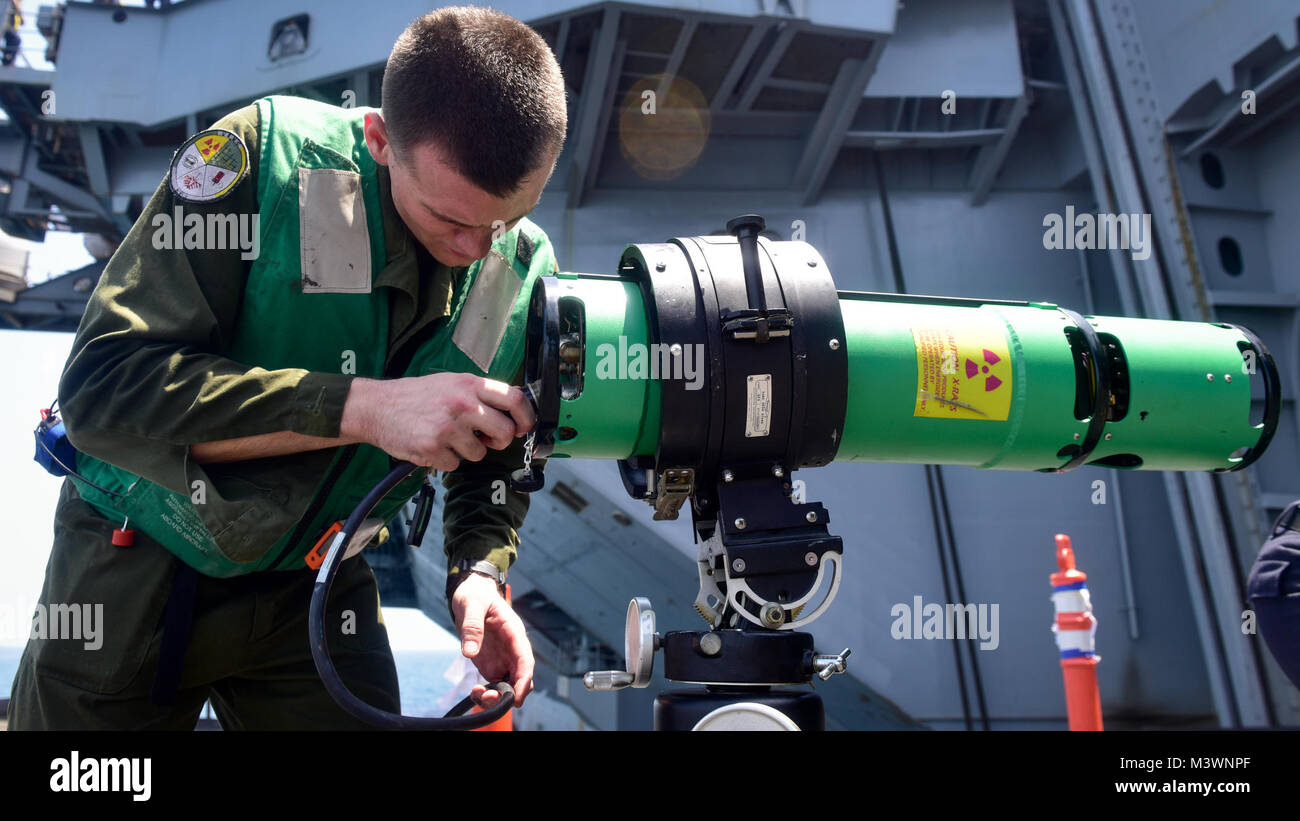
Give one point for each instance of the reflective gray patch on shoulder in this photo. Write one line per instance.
(335, 242)
(487, 310)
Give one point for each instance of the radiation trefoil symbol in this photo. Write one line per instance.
(991, 383)
(978, 344)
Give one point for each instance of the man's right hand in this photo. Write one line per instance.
(436, 420)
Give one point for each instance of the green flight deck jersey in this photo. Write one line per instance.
(183, 343)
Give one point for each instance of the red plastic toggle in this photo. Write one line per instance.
(123, 538)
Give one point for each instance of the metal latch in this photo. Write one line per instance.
(673, 488)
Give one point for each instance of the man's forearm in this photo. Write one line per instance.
(354, 427)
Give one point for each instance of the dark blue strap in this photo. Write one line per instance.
(177, 621)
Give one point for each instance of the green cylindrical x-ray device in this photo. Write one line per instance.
(712, 357)
(714, 367)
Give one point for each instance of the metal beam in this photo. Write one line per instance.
(920, 139)
(593, 101)
(832, 124)
(606, 114)
(1279, 501)
(990, 158)
(1233, 528)
(762, 123)
(1285, 108)
(756, 84)
(78, 198)
(1234, 115)
(1115, 152)
(738, 65)
(361, 87)
(675, 58)
(562, 40)
(1140, 160)
(1282, 300)
(800, 85)
(1118, 177)
(92, 148)
(899, 108)
(19, 76)
(1088, 136)
(562, 45)
(12, 152)
(19, 190)
(132, 133)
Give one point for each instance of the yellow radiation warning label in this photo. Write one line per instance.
(963, 370)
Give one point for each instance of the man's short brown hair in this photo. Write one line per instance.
(483, 87)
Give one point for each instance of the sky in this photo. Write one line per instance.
(30, 365)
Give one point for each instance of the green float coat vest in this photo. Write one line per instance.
(281, 326)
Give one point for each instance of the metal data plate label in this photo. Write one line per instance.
(758, 405)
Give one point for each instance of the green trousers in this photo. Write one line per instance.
(248, 651)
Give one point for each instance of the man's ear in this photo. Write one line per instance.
(376, 134)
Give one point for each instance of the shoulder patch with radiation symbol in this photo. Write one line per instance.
(209, 166)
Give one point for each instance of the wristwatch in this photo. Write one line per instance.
(467, 566)
(482, 567)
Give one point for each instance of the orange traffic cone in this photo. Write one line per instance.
(1076, 630)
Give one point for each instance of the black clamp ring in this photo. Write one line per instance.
(1100, 387)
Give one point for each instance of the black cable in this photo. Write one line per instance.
(895, 262)
(947, 589)
(933, 476)
(45, 425)
(70, 471)
(961, 595)
(454, 720)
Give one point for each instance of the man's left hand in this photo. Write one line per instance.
(492, 636)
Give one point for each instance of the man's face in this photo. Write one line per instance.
(451, 217)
